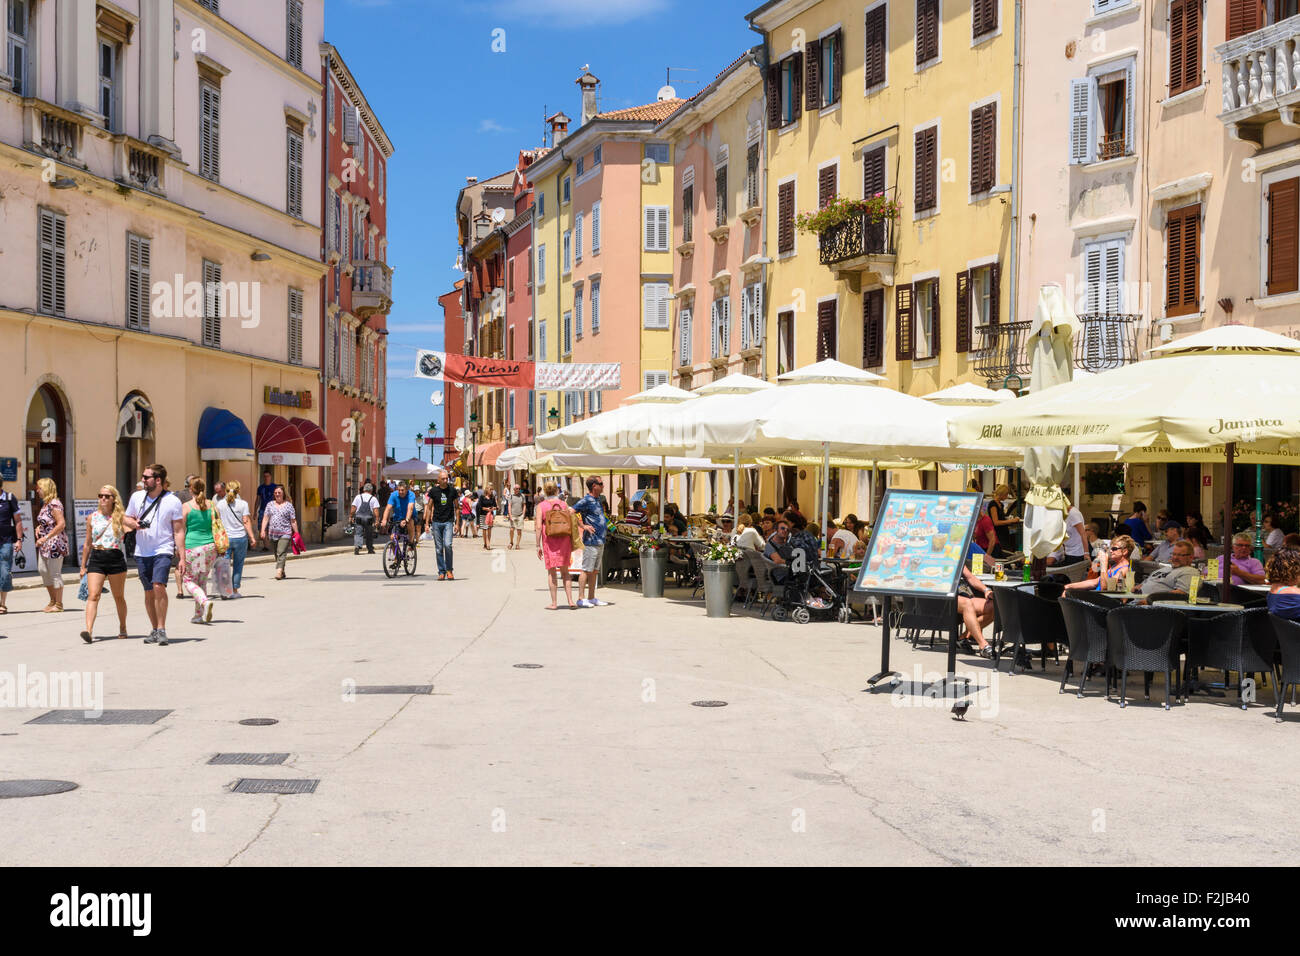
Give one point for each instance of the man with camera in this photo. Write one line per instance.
(159, 536)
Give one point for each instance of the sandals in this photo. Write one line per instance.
(54, 609)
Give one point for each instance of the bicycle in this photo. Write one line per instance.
(399, 553)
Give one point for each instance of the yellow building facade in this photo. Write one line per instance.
(912, 101)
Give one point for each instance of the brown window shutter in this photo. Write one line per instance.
(826, 185)
(1244, 16)
(936, 322)
(873, 172)
(774, 96)
(874, 64)
(926, 169)
(904, 342)
(837, 57)
(1177, 40)
(812, 64)
(785, 217)
(1174, 263)
(1192, 260)
(963, 311)
(798, 85)
(919, 176)
(995, 292)
(988, 146)
(873, 328)
(927, 30)
(826, 330)
(977, 151)
(1283, 225)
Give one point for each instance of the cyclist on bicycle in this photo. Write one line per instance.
(398, 512)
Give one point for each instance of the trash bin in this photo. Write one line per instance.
(719, 587)
(331, 511)
(653, 566)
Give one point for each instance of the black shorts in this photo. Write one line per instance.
(107, 561)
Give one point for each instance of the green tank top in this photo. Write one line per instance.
(198, 527)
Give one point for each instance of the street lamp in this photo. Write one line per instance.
(419, 445)
(473, 452)
(553, 416)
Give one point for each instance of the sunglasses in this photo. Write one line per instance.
(1119, 548)
(146, 476)
(106, 496)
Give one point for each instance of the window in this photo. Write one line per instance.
(329, 103)
(1101, 116)
(16, 43)
(564, 191)
(541, 264)
(137, 282)
(827, 183)
(904, 345)
(1184, 45)
(927, 170)
(655, 379)
(510, 278)
(827, 344)
(209, 130)
(381, 369)
(577, 238)
(873, 172)
(568, 249)
(751, 177)
(293, 173)
(532, 407)
(784, 342)
(510, 422)
(1103, 274)
(984, 17)
(331, 347)
(785, 217)
(1247, 16)
(977, 305)
(688, 210)
(293, 32)
(212, 304)
(1283, 214)
(108, 70)
(823, 65)
(654, 296)
(379, 168)
(684, 336)
(582, 166)
(595, 157)
(1112, 98)
(541, 340)
(595, 307)
(983, 148)
(656, 228)
(541, 204)
(751, 316)
(595, 227)
(720, 195)
(657, 152)
(212, 5)
(1183, 261)
(873, 328)
(295, 326)
(876, 54)
(925, 296)
(791, 88)
(597, 402)
(721, 327)
(927, 31)
(568, 333)
(577, 312)
(53, 260)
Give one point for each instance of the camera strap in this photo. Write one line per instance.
(153, 507)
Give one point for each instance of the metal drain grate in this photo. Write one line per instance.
(107, 717)
(528, 666)
(708, 703)
(259, 721)
(34, 788)
(256, 759)
(395, 689)
(248, 785)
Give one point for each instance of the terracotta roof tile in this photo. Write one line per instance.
(654, 112)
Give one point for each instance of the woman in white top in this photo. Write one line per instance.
(748, 536)
(1273, 535)
(842, 542)
(239, 529)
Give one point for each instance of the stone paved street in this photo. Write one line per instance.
(598, 756)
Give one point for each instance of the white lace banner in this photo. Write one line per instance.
(591, 376)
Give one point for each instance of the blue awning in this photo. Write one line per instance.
(223, 436)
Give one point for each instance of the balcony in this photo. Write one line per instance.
(999, 354)
(138, 164)
(858, 248)
(372, 288)
(1106, 341)
(53, 131)
(1261, 79)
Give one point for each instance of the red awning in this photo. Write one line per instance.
(318, 446)
(489, 453)
(279, 442)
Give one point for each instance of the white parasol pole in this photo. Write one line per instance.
(826, 475)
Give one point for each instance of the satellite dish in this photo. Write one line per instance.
(666, 93)
(436, 398)
(498, 215)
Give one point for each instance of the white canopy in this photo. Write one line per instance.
(412, 469)
(968, 393)
(517, 458)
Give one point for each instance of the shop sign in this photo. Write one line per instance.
(8, 469)
(273, 396)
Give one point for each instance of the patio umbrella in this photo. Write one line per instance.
(968, 393)
(519, 457)
(413, 469)
(1233, 386)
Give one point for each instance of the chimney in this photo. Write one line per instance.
(559, 124)
(588, 84)
(470, 180)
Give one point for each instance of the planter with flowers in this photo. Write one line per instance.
(720, 580)
(652, 548)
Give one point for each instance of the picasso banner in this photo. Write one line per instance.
(508, 373)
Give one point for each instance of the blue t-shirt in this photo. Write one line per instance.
(1138, 530)
(401, 506)
(593, 514)
(1285, 605)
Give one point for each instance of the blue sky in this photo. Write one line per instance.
(454, 108)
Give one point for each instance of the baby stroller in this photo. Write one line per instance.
(813, 593)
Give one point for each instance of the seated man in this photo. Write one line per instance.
(1178, 578)
(778, 549)
(1136, 525)
(1172, 530)
(637, 515)
(1245, 569)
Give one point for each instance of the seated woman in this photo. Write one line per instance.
(1200, 539)
(673, 520)
(748, 536)
(1284, 584)
(975, 604)
(843, 540)
(1121, 552)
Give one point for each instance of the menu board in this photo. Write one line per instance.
(919, 542)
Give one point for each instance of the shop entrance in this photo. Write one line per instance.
(135, 441)
(45, 455)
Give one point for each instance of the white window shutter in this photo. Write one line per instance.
(756, 314)
(663, 228)
(663, 310)
(1093, 276)
(684, 345)
(1081, 134)
(715, 320)
(1130, 98)
(649, 227)
(595, 233)
(577, 237)
(595, 306)
(577, 314)
(1114, 271)
(724, 329)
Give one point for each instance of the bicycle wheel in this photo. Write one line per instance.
(408, 560)
(391, 560)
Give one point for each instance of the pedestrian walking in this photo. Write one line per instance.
(11, 538)
(200, 550)
(442, 513)
(554, 529)
(365, 510)
(486, 510)
(280, 527)
(104, 559)
(159, 532)
(592, 513)
(515, 508)
(185, 496)
(51, 542)
(417, 512)
(265, 495)
(233, 512)
(466, 513)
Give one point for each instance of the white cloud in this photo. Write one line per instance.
(406, 328)
(491, 126)
(580, 13)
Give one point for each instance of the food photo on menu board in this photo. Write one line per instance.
(920, 542)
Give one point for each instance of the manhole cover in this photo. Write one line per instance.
(708, 703)
(260, 759)
(34, 788)
(246, 785)
(107, 717)
(529, 666)
(395, 689)
(259, 721)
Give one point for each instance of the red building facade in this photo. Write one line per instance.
(520, 405)
(453, 340)
(357, 293)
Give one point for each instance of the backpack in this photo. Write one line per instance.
(365, 514)
(557, 522)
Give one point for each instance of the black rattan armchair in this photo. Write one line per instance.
(1142, 638)
(1085, 628)
(1287, 633)
(1040, 623)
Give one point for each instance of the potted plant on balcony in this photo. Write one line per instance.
(652, 548)
(841, 209)
(719, 567)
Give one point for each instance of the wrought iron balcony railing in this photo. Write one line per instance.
(859, 236)
(999, 354)
(1106, 341)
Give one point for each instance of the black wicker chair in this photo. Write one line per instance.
(1287, 633)
(1040, 623)
(1240, 642)
(1143, 638)
(1085, 628)
(1007, 616)
(764, 587)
